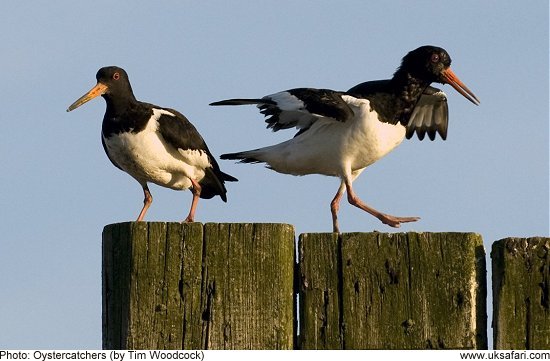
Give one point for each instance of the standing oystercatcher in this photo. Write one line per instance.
(154, 144)
(341, 133)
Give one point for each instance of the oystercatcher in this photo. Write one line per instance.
(341, 133)
(154, 144)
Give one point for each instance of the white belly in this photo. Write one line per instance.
(147, 158)
(330, 147)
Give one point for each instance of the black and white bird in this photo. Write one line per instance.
(340, 133)
(154, 144)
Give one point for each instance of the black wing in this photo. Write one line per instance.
(430, 115)
(299, 107)
(181, 134)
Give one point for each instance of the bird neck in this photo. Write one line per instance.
(409, 86)
(119, 105)
(408, 90)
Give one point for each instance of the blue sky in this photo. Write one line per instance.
(59, 189)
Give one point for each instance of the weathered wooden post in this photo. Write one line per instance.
(521, 293)
(217, 286)
(392, 291)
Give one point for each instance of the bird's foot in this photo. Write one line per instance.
(394, 221)
(189, 219)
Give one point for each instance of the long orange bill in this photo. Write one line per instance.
(459, 86)
(96, 91)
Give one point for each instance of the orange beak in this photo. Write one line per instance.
(96, 91)
(450, 78)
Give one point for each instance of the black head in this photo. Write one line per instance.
(426, 62)
(433, 64)
(112, 84)
(116, 80)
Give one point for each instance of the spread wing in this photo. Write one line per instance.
(299, 107)
(430, 115)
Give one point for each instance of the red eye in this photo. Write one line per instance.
(116, 76)
(435, 58)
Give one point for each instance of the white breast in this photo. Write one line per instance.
(369, 139)
(148, 158)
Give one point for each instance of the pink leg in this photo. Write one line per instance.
(388, 219)
(196, 189)
(147, 200)
(335, 206)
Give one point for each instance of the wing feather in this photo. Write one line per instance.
(298, 108)
(430, 115)
(182, 134)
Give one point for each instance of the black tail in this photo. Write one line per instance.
(227, 178)
(242, 157)
(243, 102)
(231, 156)
(213, 183)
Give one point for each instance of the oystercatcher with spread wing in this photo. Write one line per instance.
(341, 133)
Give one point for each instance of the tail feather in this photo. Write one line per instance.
(213, 184)
(243, 102)
(242, 157)
(227, 178)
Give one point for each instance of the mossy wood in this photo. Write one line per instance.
(521, 293)
(233, 286)
(392, 291)
(217, 286)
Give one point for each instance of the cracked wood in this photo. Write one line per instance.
(392, 291)
(217, 286)
(521, 293)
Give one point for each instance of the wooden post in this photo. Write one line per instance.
(521, 293)
(249, 282)
(217, 286)
(392, 291)
(319, 291)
